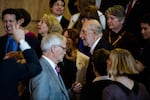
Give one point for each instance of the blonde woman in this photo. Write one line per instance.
(48, 24)
(120, 65)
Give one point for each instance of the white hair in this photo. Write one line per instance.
(50, 40)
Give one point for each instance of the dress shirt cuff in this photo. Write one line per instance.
(24, 45)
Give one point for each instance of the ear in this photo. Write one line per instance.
(53, 49)
(20, 21)
(94, 70)
(122, 20)
(76, 41)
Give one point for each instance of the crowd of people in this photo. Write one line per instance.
(100, 53)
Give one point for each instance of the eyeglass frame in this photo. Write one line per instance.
(64, 48)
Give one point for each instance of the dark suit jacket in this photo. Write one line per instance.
(64, 22)
(128, 41)
(11, 73)
(68, 71)
(101, 44)
(94, 90)
(118, 91)
(105, 4)
(143, 76)
(33, 42)
(140, 8)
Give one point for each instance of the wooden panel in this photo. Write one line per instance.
(35, 7)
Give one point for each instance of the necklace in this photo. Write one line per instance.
(116, 41)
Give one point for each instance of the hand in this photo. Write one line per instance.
(18, 34)
(76, 87)
(8, 55)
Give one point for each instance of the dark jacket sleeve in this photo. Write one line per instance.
(32, 66)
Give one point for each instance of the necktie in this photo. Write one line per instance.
(129, 7)
(11, 45)
(57, 69)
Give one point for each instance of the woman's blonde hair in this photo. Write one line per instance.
(122, 62)
(52, 23)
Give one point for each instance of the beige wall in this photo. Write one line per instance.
(36, 8)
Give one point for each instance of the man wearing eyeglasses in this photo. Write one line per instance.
(48, 85)
(92, 36)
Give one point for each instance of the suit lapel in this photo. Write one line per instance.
(61, 83)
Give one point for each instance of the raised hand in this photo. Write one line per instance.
(18, 34)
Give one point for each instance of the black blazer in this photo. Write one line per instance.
(33, 42)
(101, 44)
(140, 8)
(11, 73)
(105, 4)
(64, 22)
(94, 90)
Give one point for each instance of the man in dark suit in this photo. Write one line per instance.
(138, 9)
(12, 72)
(94, 90)
(103, 5)
(57, 8)
(10, 17)
(92, 36)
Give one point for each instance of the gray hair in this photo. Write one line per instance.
(95, 26)
(48, 41)
(116, 10)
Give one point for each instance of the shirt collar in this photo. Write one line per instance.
(59, 18)
(106, 77)
(53, 65)
(94, 45)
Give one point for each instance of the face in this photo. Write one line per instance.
(113, 22)
(145, 30)
(60, 51)
(69, 40)
(42, 28)
(9, 20)
(87, 35)
(58, 8)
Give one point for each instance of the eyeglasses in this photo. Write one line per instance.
(64, 48)
(59, 4)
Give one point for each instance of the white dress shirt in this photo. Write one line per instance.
(94, 45)
(53, 65)
(24, 45)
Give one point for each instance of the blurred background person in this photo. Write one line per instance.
(145, 55)
(74, 66)
(25, 19)
(135, 10)
(11, 17)
(47, 24)
(57, 8)
(117, 35)
(82, 4)
(103, 5)
(76, 69)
